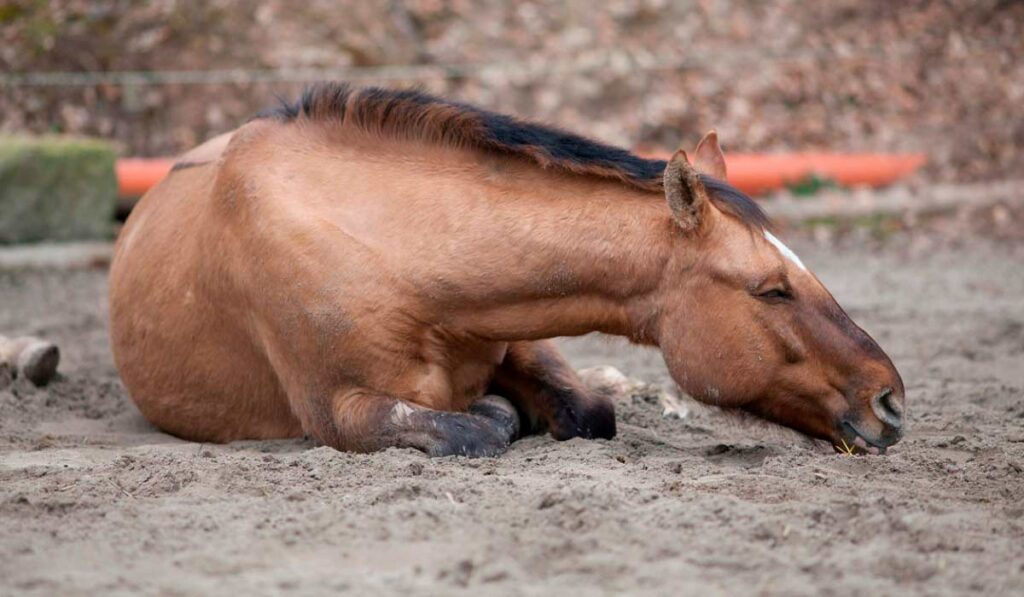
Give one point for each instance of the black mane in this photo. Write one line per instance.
(418, 115)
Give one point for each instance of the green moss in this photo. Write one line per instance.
(9, 12)
(56, 188)
(811, 185)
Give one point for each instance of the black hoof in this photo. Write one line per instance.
(487, 431)
(594, 419)
(501, 412)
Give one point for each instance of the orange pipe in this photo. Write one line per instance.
(755, 174)
(749, 172)
(135, 176)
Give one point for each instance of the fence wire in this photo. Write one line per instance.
(539, 65)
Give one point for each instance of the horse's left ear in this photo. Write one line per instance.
(708, 157)
(685, 193)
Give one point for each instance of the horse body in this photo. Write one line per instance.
(182, 340)
(370, 289)
(350, 266)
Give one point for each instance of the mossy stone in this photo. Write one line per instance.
(56, 188)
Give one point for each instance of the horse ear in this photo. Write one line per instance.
(708, 157)
(685, 193)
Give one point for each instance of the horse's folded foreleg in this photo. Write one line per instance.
(550, 395)
(365, 422)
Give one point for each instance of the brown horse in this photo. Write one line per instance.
(381, 268)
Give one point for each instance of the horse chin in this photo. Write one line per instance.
(849, 440)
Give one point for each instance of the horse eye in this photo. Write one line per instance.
(777, 294)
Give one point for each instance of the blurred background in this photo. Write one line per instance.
(848, 75)
(941, 81)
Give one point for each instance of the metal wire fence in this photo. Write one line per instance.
(544, 66)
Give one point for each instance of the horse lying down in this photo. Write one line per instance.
(380, 268)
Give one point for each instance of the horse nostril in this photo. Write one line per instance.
(888, 408)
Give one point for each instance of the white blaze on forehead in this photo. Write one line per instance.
(786, 251)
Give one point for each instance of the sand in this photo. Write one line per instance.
(95, 501)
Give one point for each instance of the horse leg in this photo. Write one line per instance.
(547, 391)
(363, 421)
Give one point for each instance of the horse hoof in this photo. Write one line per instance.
(478, 443)
(38, 362)
(587, 419)
(487, 430)
(501, 412)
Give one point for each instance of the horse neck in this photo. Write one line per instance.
(573, 255)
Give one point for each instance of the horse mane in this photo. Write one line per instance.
(413, 114)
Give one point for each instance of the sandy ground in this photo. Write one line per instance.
(95, 501)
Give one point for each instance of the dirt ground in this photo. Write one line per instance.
(95, 501)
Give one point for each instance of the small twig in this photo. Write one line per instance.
(846, 448)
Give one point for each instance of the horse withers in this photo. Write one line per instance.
(380, 268)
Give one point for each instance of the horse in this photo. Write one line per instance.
(380, 268)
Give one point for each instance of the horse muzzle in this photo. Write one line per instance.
(874, 429)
